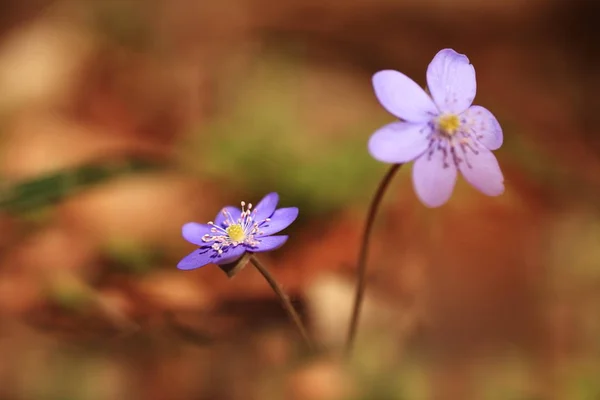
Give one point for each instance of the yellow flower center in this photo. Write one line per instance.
(448, 123)
(236, 232)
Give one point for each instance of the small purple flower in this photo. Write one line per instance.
(442, 133)
(236, 231)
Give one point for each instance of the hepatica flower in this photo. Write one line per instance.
(443, 133)
(236, 231)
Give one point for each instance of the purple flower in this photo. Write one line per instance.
(442, 133)
(236, 231)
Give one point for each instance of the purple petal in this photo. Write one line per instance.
(196, 259)
(434, 176)
(484, 126)
(269, 243)
(234, 212)
(265, 208)
(451, 81)
(403, 97)
(193, 232)
(280, 220)
(230, 255)
(480, 168)
(206, 255)
(399, 142)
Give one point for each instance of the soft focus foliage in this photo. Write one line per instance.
(122, 120)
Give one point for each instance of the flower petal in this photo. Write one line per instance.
(269, 243)
(196, 259)
(193, 232)
(434, 176)
(280, 220)
(403, 97)
(206, 255)
(265, 208)
(399, 142)
(451, 81)
(230, 255)
(480, 168)
(232, 211)
(484, 126)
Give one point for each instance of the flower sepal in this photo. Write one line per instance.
(233, 268)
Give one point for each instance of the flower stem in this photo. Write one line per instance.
(362, 255)
(285, 300)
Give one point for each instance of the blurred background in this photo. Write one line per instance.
(120, 120)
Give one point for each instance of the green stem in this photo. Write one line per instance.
(285, 300)
(362, 255)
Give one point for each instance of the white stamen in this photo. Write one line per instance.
(220, 234)
(455, 146)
